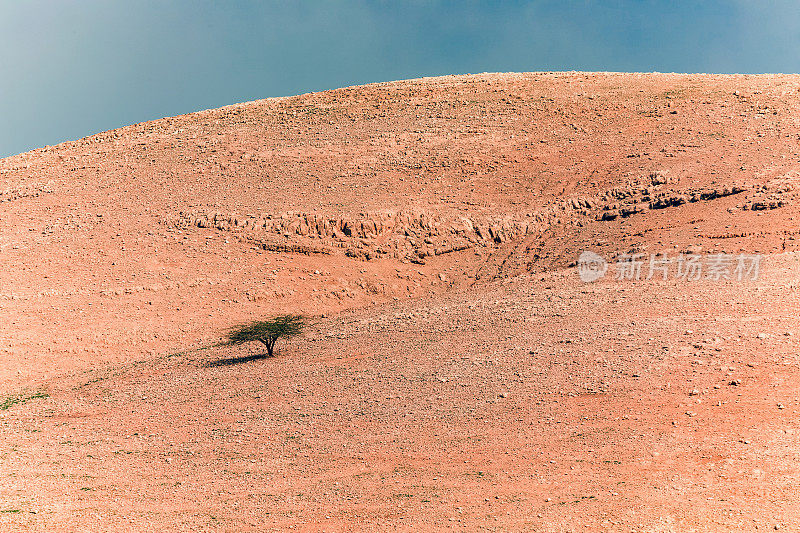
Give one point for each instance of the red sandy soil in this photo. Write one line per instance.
(456, 374)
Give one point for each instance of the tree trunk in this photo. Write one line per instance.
(270, 344)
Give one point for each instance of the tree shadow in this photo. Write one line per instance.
(228, 361)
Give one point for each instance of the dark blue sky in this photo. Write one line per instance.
(70, 69)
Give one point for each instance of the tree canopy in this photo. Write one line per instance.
(266, 332)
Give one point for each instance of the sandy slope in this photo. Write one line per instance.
(458, 372)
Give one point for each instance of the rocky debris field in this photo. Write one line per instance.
(457, 374)
(538, 403)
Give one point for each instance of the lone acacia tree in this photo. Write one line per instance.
(267, 332)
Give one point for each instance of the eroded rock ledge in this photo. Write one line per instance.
(415, 234)
(407, 235)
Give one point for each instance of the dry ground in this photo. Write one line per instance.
(457, 373)
(540, 403)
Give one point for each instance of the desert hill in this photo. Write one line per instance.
(380, 191)
(431, 228)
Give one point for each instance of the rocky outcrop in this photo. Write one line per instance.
(627, 201)
(407, 235)
(414, 235)
(776, 193)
